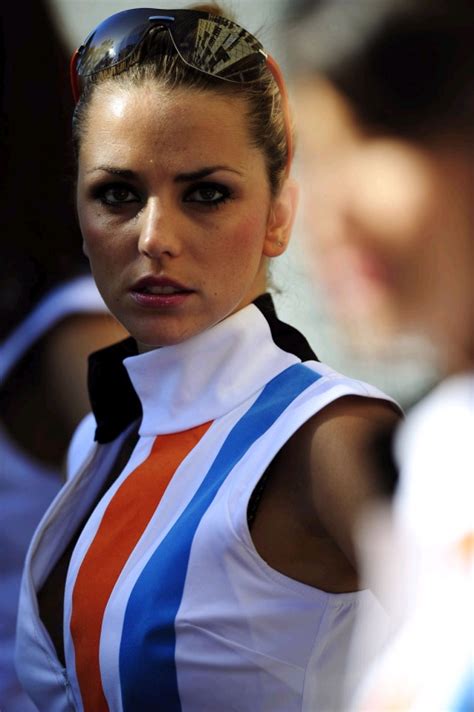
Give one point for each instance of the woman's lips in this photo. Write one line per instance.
(159, 292)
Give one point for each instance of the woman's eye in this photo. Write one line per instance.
(117, 195)
(207, 194)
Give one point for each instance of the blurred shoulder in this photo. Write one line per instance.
(81, 445)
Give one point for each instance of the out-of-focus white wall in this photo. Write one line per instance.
(297, 297)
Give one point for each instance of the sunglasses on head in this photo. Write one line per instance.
(208, 43)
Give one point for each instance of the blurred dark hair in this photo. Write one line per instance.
(40, 239)
(405, 66)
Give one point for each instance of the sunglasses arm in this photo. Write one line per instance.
(285, 105)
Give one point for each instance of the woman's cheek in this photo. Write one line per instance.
(97, 230)
(87, 221)
(242, 237)
(250, 229)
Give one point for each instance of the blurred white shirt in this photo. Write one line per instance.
(419, 559)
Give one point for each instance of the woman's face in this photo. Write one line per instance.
(390, 229)
(175, 209)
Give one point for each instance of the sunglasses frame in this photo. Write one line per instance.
(165, 19)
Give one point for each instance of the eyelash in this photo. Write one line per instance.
(101, 192)
(225, 194)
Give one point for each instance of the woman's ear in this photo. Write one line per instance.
(84, 249)
(281, 219)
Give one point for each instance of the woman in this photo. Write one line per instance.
(208, 557)
(394, 180)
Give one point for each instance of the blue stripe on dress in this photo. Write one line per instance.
(147, 653)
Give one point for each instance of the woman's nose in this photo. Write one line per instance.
(158, 231)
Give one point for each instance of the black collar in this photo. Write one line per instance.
(285, 336)
(113, 399)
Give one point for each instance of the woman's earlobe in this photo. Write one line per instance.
(84, 249)
(281, 219)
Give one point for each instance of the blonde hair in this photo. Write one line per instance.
(157, 60)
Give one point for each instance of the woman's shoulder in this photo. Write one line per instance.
(334, 456)
(315, 490)
(346, 424)
(337, 437)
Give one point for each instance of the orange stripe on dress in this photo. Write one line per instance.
(122, 525)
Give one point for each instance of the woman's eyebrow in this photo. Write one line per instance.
(179, 178)
(202, 173)
(122, 172)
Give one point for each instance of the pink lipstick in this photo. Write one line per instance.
(159, 292)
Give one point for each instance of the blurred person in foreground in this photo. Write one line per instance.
(51, 314)
(386, 106)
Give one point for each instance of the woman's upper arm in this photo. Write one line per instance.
(346, 473)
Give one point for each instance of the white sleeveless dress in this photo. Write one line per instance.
(168, 605)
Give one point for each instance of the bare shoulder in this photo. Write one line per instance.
(317, 487)
(352, 421)
(336, 452)
(341, 429)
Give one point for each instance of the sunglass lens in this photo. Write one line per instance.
(113, 41)
(219, 47)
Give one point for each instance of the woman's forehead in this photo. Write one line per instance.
(155, 107)
(173, 128)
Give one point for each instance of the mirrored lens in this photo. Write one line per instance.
(219, 47)
(113, 40)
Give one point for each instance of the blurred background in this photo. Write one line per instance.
(297, 296)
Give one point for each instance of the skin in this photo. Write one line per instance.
(390, 229)
(145, 212)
